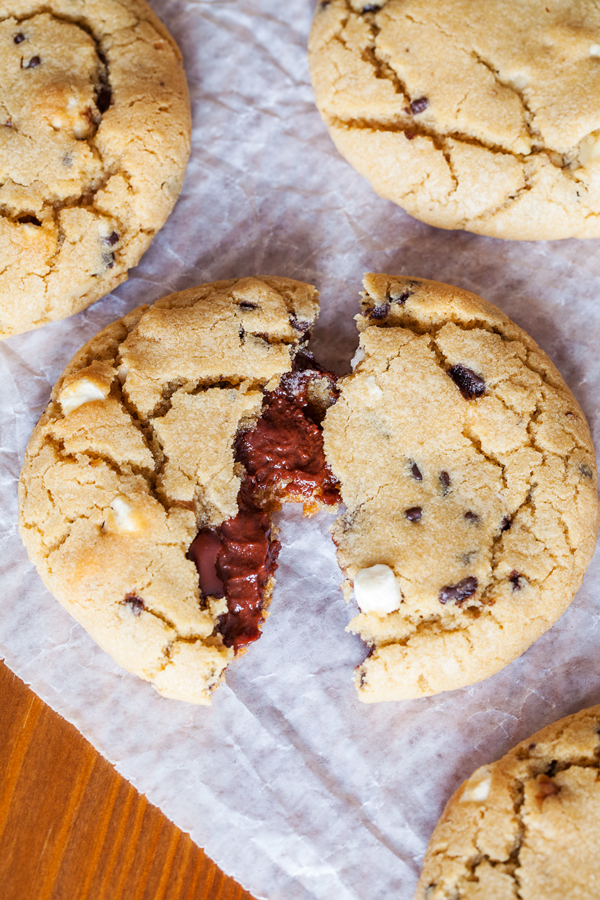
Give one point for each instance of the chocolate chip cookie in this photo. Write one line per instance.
(481, 116)
(94, 141)
(469, 478)
(148, 484)
(526, 826)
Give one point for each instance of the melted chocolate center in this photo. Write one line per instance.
(284, 459)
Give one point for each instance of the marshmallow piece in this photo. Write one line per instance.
(589, 148)
(373, 389)
(82, 391)
(518, 82)
(357, 358)
(125, 517)
(478, 786)
(376, 590)
(595, 50)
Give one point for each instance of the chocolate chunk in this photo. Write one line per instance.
(445, 482)
(401, 298)
(33, 62)
(378, 312)
(413, 514)
(417, 106)
(203, 552)
(505, 524)
(370, 8)
(585, 470)
(108, 258)
(471, 516)
(469, 384)
(113, 238)
(29, 220)
(416, 472)
(458, 592)
(246, 304)
(516, 580)
(299, 325)
(135, 604)
(104, 99)
(19, 38)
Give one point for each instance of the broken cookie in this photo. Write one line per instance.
(525, 826)
(468, 474)
(94, 141)
(481, 116)
(150, 480)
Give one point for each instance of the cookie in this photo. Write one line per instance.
(480, 116)
(148, 485)
(525, 826)
(94, 141)
(469, 478)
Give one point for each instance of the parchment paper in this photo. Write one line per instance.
(290, 784)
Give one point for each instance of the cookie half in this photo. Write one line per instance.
(526, 826)
(148, 485)
(94, 141)
(469, 478)
(481, 116)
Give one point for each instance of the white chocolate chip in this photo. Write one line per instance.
(126, 517)
(589, 148)
(477, 788)
(357, 358)
(374, 391)
(376, 590)
(595, 50)
(82, 391)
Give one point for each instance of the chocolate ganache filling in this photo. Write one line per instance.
(284, 460)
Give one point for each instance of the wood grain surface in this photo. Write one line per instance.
(72, 829)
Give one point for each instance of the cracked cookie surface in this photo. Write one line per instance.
(480, 116)
(94, 141)
(526, 827)
(468, 473)
(134, 456)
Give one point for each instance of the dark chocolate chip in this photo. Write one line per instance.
(409, 135)
(471, 516)
(135, 604)
(413, 514)
(417, 106)
(67, 161)
(104, 99)
(8, 123)
(246, 304)
(445, 482)
(299, 325)
(19, 38)
(28, 220)
(108, 258)
(378, 312)
(370, 8)
(458, 592)
(532, 746)
(516, 580)
(416, 472)
(33, 62)
(585, 470)
(469, 384)
(505, 524)
(113, 238)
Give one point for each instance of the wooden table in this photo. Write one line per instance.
(72, 829)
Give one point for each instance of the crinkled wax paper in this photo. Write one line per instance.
(289, 783)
